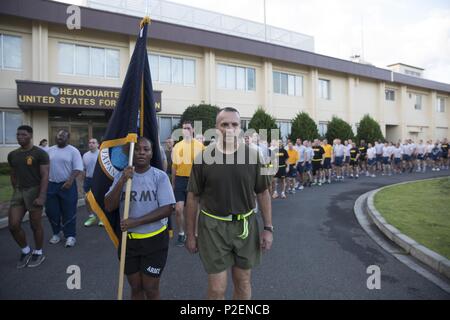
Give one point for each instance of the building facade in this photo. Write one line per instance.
(52, 77)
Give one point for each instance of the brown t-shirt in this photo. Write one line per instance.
(226, 187)
(26, 164)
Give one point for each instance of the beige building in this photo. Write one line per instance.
(52, 77)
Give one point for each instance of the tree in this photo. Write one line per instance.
(303, 127)
(262, 120)
(339, 129)
(368, 130)
(205, 113)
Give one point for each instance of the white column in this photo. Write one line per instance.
(39, 55)
(432, 116)
(268, 87)
(313, 93)
(381, 107)
(209, 76)
(403, 112)
(350, 99)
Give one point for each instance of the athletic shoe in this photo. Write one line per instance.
(90, 221)
(437, 169)
(373, 176)
(433, 169)
(300, 187)
(293, 191)
(36, 260)
(356, 177)
(100, 223)
(275, 195)
(55, 239)
(319, 184)
(283, 196)
(329, 181)
(367, 174)
(70, 242)
(23, 260)
(181, 240)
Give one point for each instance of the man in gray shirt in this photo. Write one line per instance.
(89, 162)
(62, 194)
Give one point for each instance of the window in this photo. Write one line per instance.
(412, 73)
(177, 71)
(251, 79)
(154, 66)
(389, 94)
(287, 84)
(164, 69)
(285, 128)
(112, 63)
(189, 71)
(244, 124)
(9, 121)
(236, 78)
(240, 78)
(82, 59)
(88, 61)
(418, 104)
(166, 125)
(172, 70)
(324, 89)
(440, 107)
(11, 52)
(66, 55)
(323, 128)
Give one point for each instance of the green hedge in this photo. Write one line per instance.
(5, 169)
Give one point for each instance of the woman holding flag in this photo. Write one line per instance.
(151, 204)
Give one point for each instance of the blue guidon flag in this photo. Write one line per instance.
(135, 115)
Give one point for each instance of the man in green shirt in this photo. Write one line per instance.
(224, 179)
(29, 178)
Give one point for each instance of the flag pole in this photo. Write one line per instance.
(126, 211)
(145, 20)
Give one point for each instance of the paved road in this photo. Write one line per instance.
(320, 252)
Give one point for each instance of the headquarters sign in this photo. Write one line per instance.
(54, 96)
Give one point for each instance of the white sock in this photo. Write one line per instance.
(37, 251)
(26, 250)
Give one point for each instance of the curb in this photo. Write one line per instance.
(411, 247)
(4, 221)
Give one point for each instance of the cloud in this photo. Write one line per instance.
(409, 31)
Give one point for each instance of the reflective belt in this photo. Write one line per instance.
(133, 235)
(231, 217)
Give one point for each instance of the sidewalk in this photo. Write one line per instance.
(4, 206)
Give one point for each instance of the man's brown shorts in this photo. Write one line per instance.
(25, 197)
(220, 247)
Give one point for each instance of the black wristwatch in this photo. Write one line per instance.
(268, 228)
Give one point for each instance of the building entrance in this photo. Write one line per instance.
(82, 126)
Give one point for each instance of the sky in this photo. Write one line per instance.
(383, 32)
(413, 32)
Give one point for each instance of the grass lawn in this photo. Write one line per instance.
(421, 210)
(5, 188)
